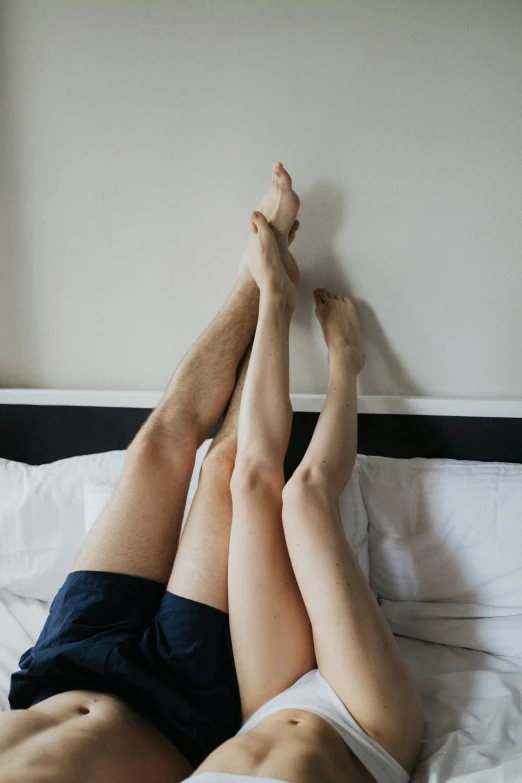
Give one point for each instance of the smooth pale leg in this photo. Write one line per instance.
(270, 629)
(355, 649)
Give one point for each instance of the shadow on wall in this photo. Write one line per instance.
(15, 353)
(324, 209)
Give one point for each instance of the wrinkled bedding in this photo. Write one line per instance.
(443, 541)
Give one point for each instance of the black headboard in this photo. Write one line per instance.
(36, 434)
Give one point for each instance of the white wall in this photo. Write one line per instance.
(136, 137)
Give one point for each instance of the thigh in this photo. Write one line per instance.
(271, 634)
(137, 532)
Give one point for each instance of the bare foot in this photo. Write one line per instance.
(340, 324)
(264, 262)
(289, 262)
(280, 205)
(293, 231)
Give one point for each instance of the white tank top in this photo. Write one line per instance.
(312, 693)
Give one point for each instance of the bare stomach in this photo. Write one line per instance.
(83, 736)
(291, 745)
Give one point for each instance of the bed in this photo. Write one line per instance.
(437, 498)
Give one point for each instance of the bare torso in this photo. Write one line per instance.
(290, 745)
(85, 736)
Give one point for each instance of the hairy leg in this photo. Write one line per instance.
(200, 569)
(271, 633)
(138, 531)
(355, 649)
(201, 565)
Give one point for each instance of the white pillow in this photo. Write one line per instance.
(355, 520)
(353, 512)
(445, 543)
(42, 519)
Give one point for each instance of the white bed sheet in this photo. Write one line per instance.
(21, 621)
(473, 710)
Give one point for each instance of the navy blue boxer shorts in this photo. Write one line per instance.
(169, 657)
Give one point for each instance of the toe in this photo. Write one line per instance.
(280, 175)
(320, 295)
(259, 220)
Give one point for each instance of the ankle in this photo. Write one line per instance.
(342, 354)
(281, 239)
(274, 297)
(245, 286)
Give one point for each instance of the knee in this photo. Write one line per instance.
(309, 484)
(158, 444)
(257, 477)
(220, 460)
